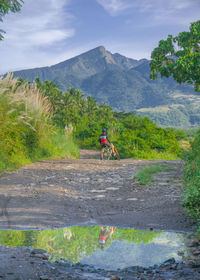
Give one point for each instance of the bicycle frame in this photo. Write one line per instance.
(108, 153)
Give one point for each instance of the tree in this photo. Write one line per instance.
(5, 7)
(179, 57)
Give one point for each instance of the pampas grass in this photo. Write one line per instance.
(35, 107)
(26, 129)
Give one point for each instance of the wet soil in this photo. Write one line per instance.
(88, 191)
(24, 264)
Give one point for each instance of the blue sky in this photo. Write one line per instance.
(46, 32)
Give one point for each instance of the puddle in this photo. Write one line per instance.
(103, 247)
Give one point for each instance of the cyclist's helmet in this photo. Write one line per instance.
(104, 130)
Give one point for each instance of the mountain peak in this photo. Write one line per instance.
(101, 50)
(82, 66)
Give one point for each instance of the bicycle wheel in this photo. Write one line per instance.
(107, 153)
(116, 154)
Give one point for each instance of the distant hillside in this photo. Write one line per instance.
(124, 84)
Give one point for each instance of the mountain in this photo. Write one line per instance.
(124, 84)
(72, 72)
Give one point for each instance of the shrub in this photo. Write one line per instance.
(192, 179)
(26, 129)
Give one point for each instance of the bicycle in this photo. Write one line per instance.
(108, 153)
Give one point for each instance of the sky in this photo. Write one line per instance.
(46, 32)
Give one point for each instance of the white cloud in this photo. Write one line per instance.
(39, 25)
(41, 22)
(114, 6)
(39, 38)
(49, 36)
(43, 32)
(156, 10)
(117, 6)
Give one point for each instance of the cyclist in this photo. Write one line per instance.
(105, 233)
(104, 142)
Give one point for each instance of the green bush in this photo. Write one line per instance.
(26, 129)
(192, 179)
(134, 136)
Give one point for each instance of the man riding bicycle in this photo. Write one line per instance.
(104, 142)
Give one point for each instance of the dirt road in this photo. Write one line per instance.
(87, 191)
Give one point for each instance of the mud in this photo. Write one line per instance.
(88, 191)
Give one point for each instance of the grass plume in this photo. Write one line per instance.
(26, 129)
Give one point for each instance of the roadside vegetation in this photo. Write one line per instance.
(192, 179)
(179, 57)
(145, 175)
(39, 121)
(134, 136)
(27, 131)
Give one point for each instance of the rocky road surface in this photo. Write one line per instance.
(88, 191)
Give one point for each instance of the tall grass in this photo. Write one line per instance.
(26, 129)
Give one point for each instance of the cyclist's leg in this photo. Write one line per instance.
(102, 151)
(103, 146)
(113, 149)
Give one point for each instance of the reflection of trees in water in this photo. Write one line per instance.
(15, 238)
(74, 242)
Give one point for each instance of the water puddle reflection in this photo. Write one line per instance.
(101, 246)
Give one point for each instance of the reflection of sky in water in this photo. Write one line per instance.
(121, 254)
(125, 247)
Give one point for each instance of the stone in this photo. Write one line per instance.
(114, 277)
(112, 189)
(99, 196)
(97, 191)
(169, 261)
(192, 243)
(38, 251)
(44, 277)
(196, 252)
(41, 256)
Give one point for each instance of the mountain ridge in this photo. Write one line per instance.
(121, 82)
(98, 55)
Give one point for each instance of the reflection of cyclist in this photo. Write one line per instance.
(105, 234)
(104, 141)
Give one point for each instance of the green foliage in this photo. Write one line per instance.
(192, 179)
(182, 64)
(5, 7)
(179, 134)
(141, 136)
(144, 176)
(134, 136)
(191, 132)
(26, 129)
(14, 238)
(30, 120)
(172, 116)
